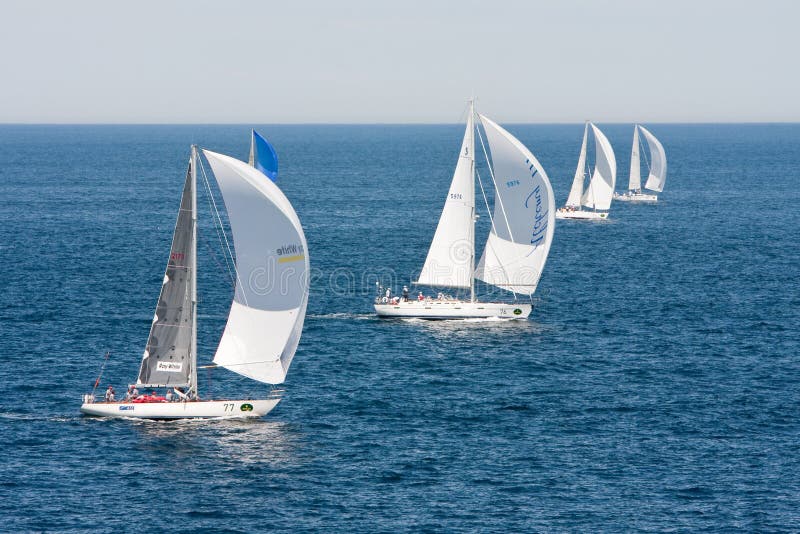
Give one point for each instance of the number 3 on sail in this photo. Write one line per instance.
(516, 250)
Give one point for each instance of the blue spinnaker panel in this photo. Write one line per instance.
(266, 160)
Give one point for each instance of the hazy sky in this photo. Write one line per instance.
(404, 61)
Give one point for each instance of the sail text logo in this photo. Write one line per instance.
(289, 253)
(169, 367)
(287, 250)
(540, 219)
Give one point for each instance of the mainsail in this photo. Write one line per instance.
(272, 267)
(575, 192)
(168, 359)
(601, 187)
(658, 162)
(451, 257)
(263, 157)
(635, 181)
(524, 215)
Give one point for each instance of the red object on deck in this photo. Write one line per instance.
(148, 398)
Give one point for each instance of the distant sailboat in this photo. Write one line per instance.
(657, 167)
(263, 156)
(597, 194)
(518, 243)
(264, 323)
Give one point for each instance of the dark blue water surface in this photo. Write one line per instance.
(655, 385)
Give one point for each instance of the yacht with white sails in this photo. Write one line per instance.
(266, 315)
(522, 225)
(656, 166)
(597, 194)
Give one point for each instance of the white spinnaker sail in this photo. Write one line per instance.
(658, 162)
(575, 192)
(635, 181)
(450, 258)
(524, 215)
(601, 187)
(269, 305)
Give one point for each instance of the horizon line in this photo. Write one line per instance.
(543, 123)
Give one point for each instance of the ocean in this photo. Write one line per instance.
(654, 387)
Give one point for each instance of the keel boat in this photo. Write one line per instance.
(597, 194)
(266, 315)
(657, 169)
(519, 241)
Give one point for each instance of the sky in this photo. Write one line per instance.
(405, 61)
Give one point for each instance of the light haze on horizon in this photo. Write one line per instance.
(254, 62)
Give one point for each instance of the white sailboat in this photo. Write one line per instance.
(266, 315)
(597, 194)
(518, 243)
(657, 169)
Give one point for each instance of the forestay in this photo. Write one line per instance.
(601, 187)
(268, 309)
(658, 162)
(524, 215)
(167, 359)
(450, 258)
(635, 181)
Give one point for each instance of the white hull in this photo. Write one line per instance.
(222, 409)
(580, 214)
(635, 197)
(453, 309)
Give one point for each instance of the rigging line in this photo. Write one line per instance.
(590, 187)
(218, 227)
(238, 279)
(498, 197)
(216, 260)
(227, 267)
(644, 153)
(491, 219)
(485, 200)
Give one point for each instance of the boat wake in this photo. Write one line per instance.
(343, 316)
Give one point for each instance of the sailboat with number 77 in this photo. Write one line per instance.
(266, 315)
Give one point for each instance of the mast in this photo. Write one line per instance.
(471, 120)
(193, 267)
(252, 159)
(635, 180)
(576, 191)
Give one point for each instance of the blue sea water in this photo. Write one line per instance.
(655, 386)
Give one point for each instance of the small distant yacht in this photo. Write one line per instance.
(518, 244)
(597, 194)
(657, 167)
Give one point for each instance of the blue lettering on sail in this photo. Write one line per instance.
(540, 219)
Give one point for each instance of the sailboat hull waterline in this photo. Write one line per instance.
(580, 214)
(214, 409)
(635, 197)
(453, 309)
